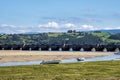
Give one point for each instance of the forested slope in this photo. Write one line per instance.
(70, 37)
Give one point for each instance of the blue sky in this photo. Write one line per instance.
(17, 16)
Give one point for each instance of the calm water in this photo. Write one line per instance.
(101, 58)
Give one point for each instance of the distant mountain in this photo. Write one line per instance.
(2, 33)
(113, 31)
(32, 33)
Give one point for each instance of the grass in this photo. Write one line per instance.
(55, 34)
(103, 35)
(106, 70)
(112, 40)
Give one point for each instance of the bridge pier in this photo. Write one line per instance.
(104, 50)
(50, 49)
(117, 50)
(39, 49)
(20, 48)
(3, 49)
(93, 50)
(30, 49)
(11, 48)
(70, 49)
(82, 49)
(60, 49)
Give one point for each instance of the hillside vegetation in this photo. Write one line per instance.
(70, 37)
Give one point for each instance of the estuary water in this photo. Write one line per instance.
(74, 60)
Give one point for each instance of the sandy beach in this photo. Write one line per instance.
(17, 55)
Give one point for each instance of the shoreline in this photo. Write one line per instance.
(24, 56)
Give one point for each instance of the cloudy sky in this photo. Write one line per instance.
(20, 16)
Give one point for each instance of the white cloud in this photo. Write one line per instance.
(88, 27)
(69, 25)
(11, 29)
(56, 25)
(7, 26)
(49, 25)
(109, 28)
(52, 24)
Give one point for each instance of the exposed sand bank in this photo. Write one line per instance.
(13, 56)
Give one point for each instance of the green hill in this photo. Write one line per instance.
(78, 38)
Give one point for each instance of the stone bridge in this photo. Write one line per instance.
(93, 48)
